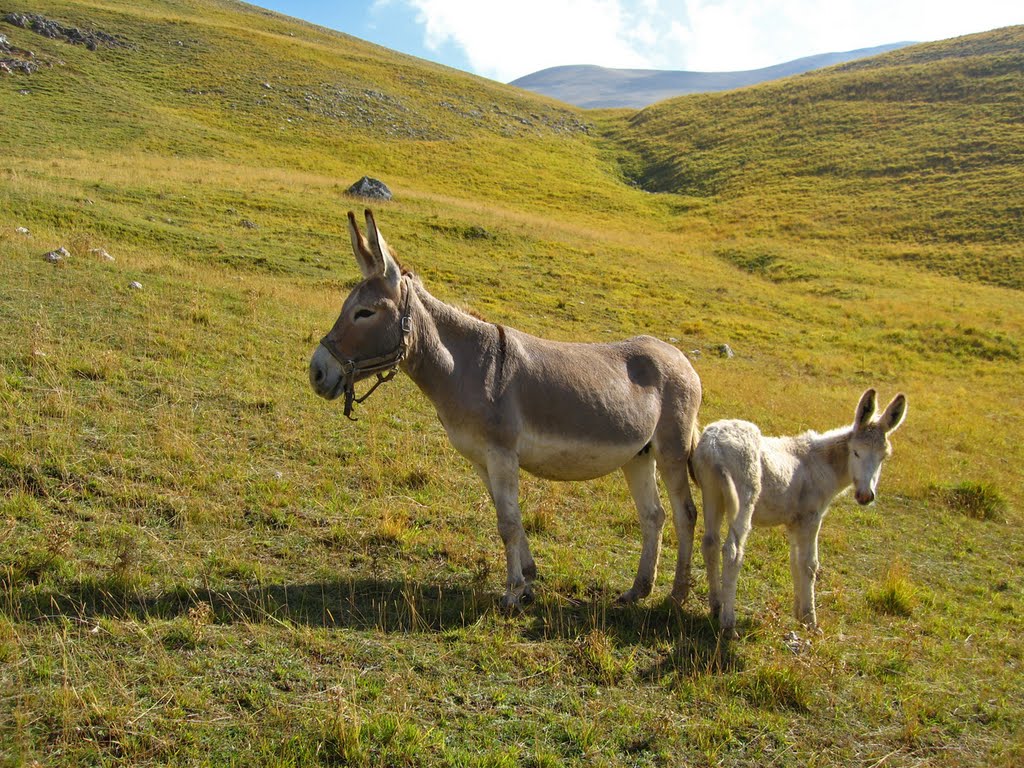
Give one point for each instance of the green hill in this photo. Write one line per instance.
(202, 563)
(916, 153)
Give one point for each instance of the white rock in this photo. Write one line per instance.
(22, 230)
(136, 285)
(101, 254)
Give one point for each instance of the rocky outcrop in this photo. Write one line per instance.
(14, 59)
(54, 30)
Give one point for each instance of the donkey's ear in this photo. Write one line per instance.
(894, 414)
(865, 409)
(369, 265)
(382, 252)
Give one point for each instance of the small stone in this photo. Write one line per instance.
(726, 351)
(58, 255)
(248, 224)
(695, 353)
(101, 254)
(135, 285)
(22, 230)
(370, 188)
(795, 643)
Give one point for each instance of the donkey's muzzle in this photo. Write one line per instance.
(324, 376)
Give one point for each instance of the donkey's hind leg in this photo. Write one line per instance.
(643, 485)
(684, 519)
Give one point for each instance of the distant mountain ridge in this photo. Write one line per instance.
(593, 87)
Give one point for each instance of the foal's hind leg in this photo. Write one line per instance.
(643, 485)
(711, 493)
(738, 515)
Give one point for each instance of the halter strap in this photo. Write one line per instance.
(385, 365)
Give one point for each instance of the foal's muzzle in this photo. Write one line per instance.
(864, 497)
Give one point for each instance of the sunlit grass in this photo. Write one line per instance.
(202, 563)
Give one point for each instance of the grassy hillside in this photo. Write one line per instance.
(915, 155)
(201, 563)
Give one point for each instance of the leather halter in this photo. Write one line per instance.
(385, 365)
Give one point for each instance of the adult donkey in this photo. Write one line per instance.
(508, 400)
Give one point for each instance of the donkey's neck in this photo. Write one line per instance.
(444, 341)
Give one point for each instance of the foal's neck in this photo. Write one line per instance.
(832, 449)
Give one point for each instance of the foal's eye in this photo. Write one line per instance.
(856, 454)
(364, 313)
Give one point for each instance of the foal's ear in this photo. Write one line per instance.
(865, 409)
(368, 264)
(382, 252)
(894, 414)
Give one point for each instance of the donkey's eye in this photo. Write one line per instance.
(856, 454)
(364, 313)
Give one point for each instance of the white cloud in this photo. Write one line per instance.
(508, 40)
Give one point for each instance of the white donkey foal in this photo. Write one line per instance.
(750, 479)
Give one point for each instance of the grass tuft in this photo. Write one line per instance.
(773, 688)
(978, 501)
(896, 594)
(599, 659)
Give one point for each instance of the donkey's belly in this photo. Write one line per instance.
(559, 458)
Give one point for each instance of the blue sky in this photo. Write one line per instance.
(505, 40)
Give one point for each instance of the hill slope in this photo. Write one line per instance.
(595, 87)
(201, 563)
(919, 149)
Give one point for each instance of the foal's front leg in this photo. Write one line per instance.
(803, 566)
(502, 478)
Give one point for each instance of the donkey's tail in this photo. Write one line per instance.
(691, 449)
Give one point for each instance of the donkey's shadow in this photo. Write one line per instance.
(687, 643)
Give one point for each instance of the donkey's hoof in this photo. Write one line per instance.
(527, 597)
(627, 598)
(510, 604)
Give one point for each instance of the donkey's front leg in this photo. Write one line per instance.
(643, 485)
(502, 477)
